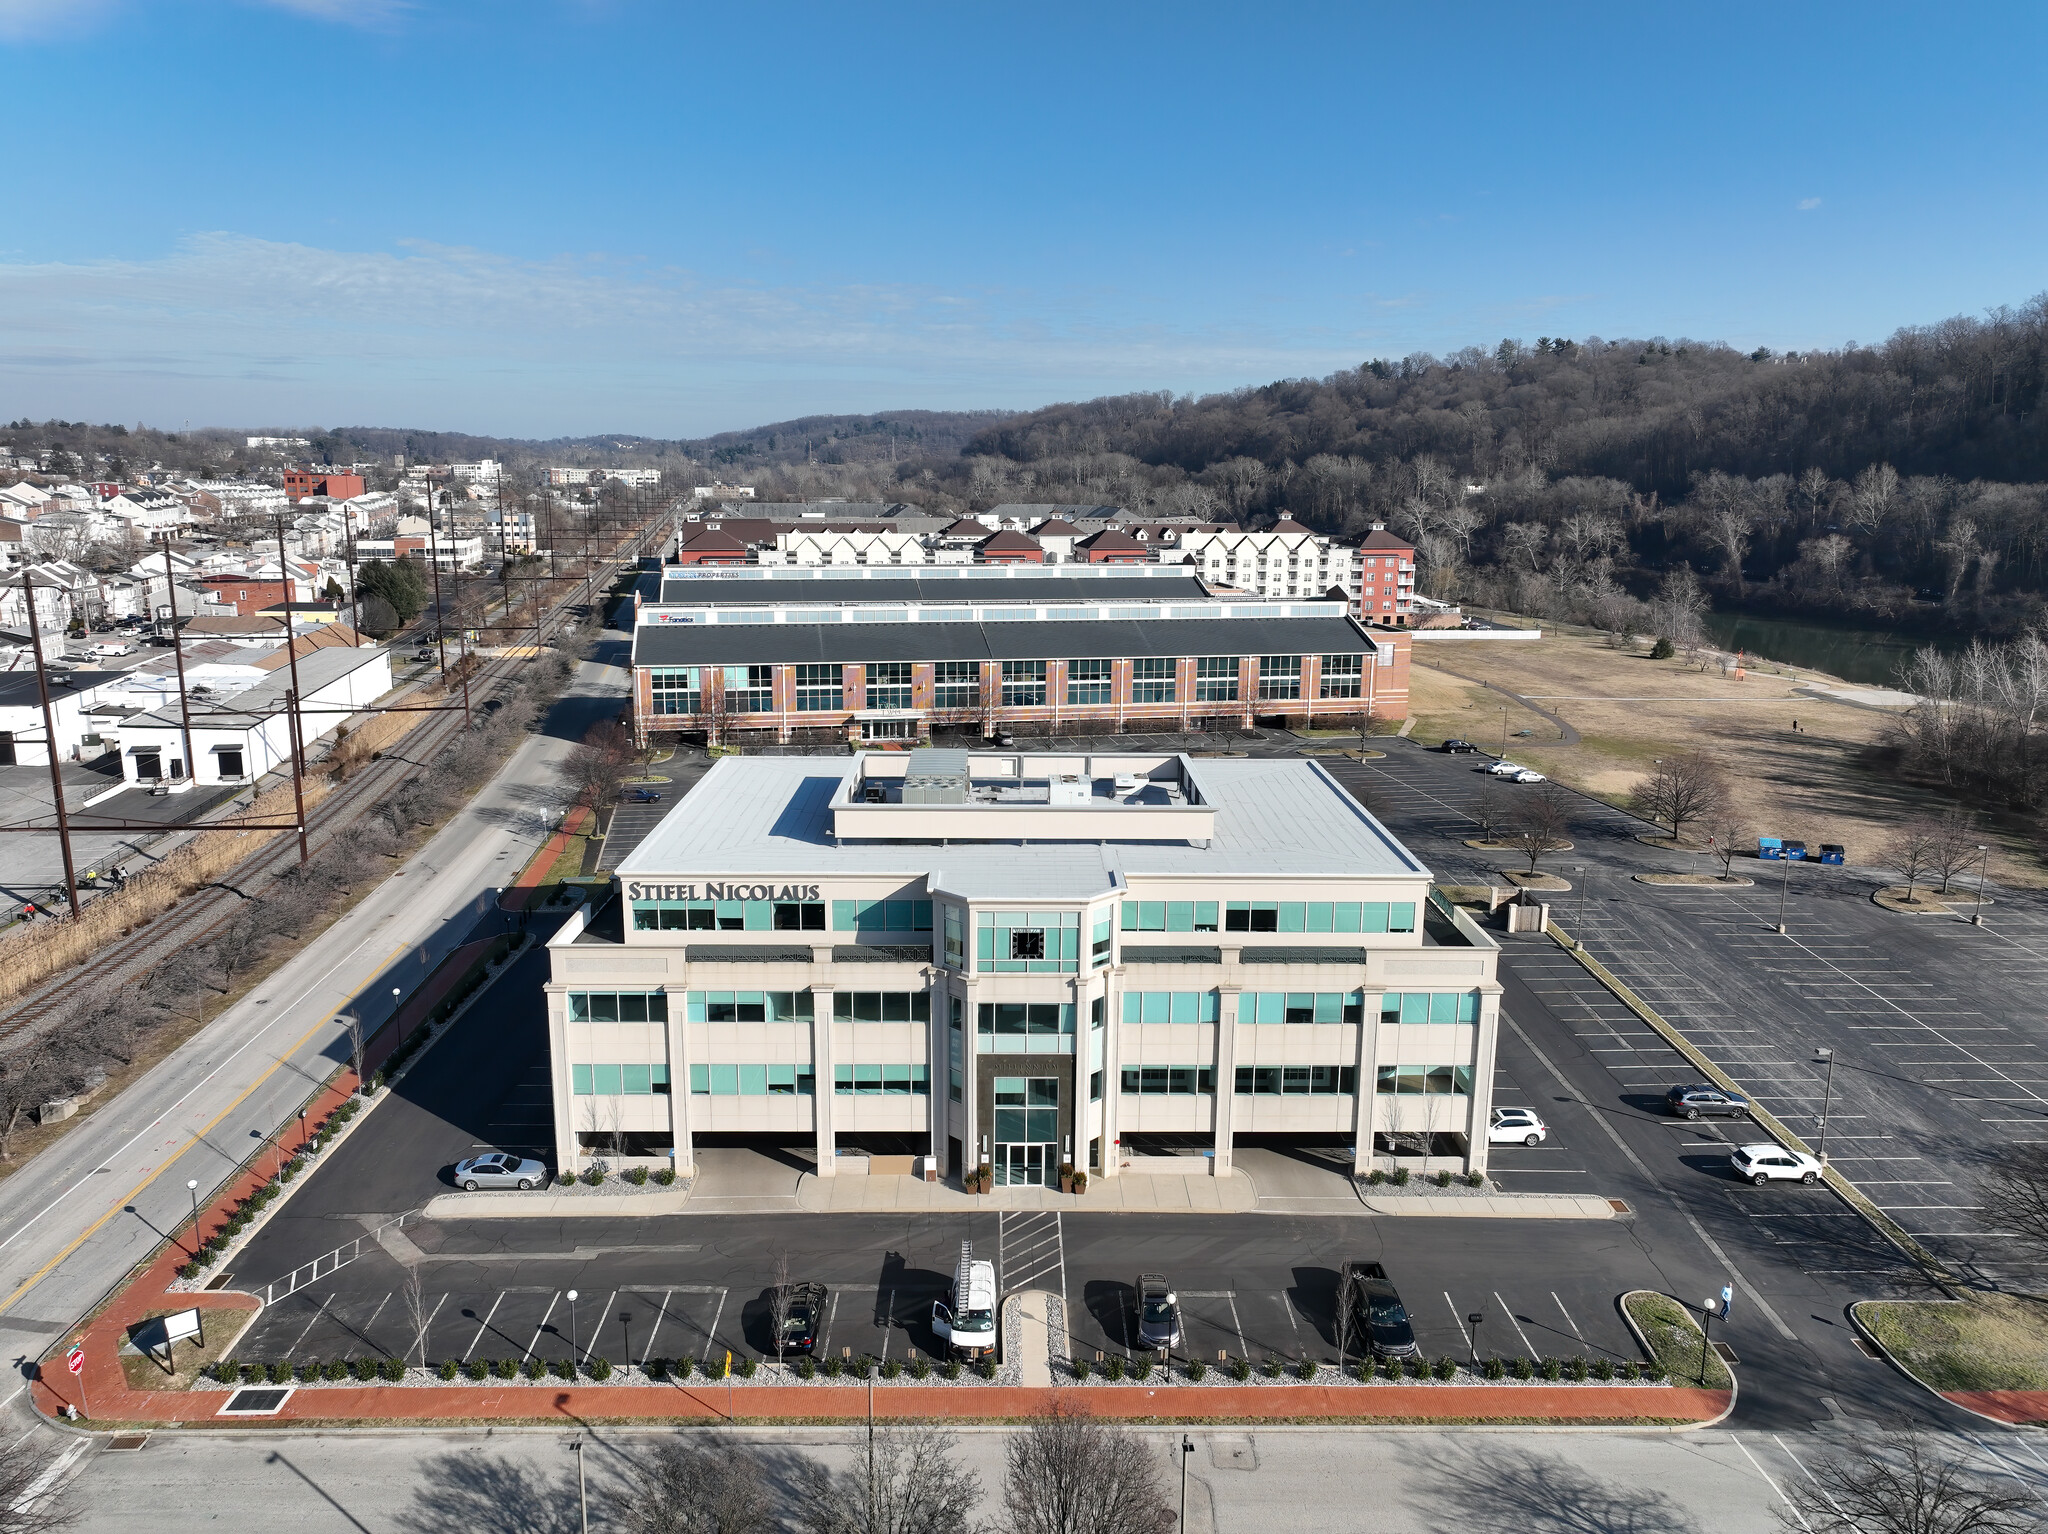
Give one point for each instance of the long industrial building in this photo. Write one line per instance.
(864, 655)
(1021, 961)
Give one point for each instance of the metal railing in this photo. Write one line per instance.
(329, 1262)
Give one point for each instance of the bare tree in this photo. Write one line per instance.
(1954, 846)
(597, 767)
(27, 1507)
(416, 1311)
(1727, 834)
(2016, 1192)
(779, 1305)
(697, 1488)
(1910, 849)
(1681, 789)
(1903, 1487)
(1539, 823)
(906, 1483)
(1491, 808)
(1070, 1473)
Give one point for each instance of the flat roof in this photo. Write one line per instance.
(771, 816)
(899, 586)
(768, 644)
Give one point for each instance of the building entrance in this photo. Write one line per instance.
(1027, 1131)
(1027, 1166)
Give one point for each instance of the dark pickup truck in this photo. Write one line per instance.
(1370, 1311)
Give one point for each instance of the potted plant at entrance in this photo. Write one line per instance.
(984, 1178)
(1066, 1177)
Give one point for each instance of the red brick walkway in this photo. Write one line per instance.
(522, 889)
(2016, 1406)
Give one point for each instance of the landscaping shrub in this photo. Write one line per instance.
(834, 1366)
(862, 1366)
(533, 1368)
(1443, 1179)
(1475, 1179)
(636, 1175)
(713, 1367)
(1444, 1368)
(1576, 1369)
(592, 1176)
(504, 1368)
(224, 1371)
(1602, 1369)
(1080, 1367)
(1549, 1369)
(309, 1370)
(743, 1366)
(1141, 1369)
(188, 1270)
(920, 1368)
(1522, 1369)
(1663, 649)
(985, 1367)
(599, 1368)
(1240, 1368)
(562, 1368)
(950, 1368)
(685, 1366)
(1653, 1372)
(391, 1370)
(657, 1368)
(345, 1369)
(447, 1368)
(1495, 1369)
(476, 1369)
(1196, 1368)
(1268, 1366)
(664, 1176)
(891, 1368)
(1631, 1370)
(1400, 1177)
(1376, 1176)
(806, 1367)
(1306, 1369)
(1414, 1367)
(1114, 1368)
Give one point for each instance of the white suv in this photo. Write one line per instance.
(1516, 1126)
(1773, 1163)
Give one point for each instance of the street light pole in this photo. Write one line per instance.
(1187, 1447)
(1579, 872)
(582, 1492)
(1827, 1100)
(1784, 883)
(1983, 867)
(192, 1188)
(573, 1351)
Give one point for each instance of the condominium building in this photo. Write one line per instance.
(1021, 961)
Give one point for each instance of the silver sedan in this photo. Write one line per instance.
(499, 1170)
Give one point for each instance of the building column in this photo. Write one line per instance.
(1226, 1078)
(680, 1127)
(1368, 1086)
(1478, 1149)
(567, 1153)
(824, 1097)
(1112, 1068)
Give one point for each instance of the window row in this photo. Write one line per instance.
(617, 1080)
(876, 1079)
(1170, 1007)
(881, 1006)
(1021, 1017)
(1250, 1080)
(869, 917)
(728, 916)
(1169, 915)
(1426, 1080)
(1301, 1007)
(1319, 916)
(752, 1080)
(1429, 1007)
(618, 1006)
(1169, 1080)
(1027, 942)
(747, 1006)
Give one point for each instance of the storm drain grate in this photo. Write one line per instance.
(257, 1402)
(1867, 1348)
(1618, 1205)
(129, 1441)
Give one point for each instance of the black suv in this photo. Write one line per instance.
(801, 1311)
(1459, 748)
(1370, 1310)
(1705, 1103)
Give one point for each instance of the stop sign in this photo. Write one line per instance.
(75, 1359)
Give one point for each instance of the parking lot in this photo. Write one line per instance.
(1939, 1059)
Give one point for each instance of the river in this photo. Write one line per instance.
(1869, 656)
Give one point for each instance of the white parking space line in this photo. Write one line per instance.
(711, 1337)
(369, 1326)
(1528, 1347)
(1238, 1327)
(318, 1312)
(660, 1315)
(597, 1326)
(542, 1328)
(824, 1342)
(1458, 1321)
(1568, 1321)
(483, 1325)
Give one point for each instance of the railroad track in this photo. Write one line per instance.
(200, 916)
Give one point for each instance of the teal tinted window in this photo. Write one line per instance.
(579, 1080)
(605, 1080)
(638, 1080)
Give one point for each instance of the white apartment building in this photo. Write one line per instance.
(1286, 560)
(1022, 961)
(795, 546)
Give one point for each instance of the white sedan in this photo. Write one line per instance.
(1773, 1163)
(1505, 768)
(1516, 1126)
(1529, 775)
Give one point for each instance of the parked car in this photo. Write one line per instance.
(1505, 768)
(1705, 1103)
(1373, 1311)
(1516, 1126)
(423, 655)
(642, 796)
(802, 1309)
(1773, 1163)
(1458, 748)
(968, 1323)
(1158, 1312)
(500, 1170)
(1529, 775)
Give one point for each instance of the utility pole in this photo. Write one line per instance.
(440, 620)
(35, 634)
(178, 651)
(291, 701)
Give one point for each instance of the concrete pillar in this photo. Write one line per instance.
(1478, 1149)
(1368, 1087)
(1226, 1078)
(679, 1101)
(568, 1157)
(824, 1099)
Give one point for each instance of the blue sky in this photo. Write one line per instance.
(565, 216)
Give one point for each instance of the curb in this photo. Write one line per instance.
(1635, 1331)
(1884, 1352)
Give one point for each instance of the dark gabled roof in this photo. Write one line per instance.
(1056, 527)
(768, 644)
(713, 542)
(966, 527)
(913, 585)
(1112, 540)
(1380, 538)
(746, 529)
(1009, 542)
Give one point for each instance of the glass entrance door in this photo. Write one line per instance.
(1026, 1166)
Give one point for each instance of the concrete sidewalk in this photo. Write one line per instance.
(1151, 1191)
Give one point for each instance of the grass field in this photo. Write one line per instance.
(1988, 1342)
(1825, 782)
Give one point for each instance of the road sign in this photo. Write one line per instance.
(1727, 1300)
(75, 1360)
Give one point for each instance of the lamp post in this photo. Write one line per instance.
(1784, 883)
(1827, 1100)
(1706, 1331)
(626, 1332)
(582, 1492)
(574, 1356)
(1579, 873)
(1187, 1447)
(1983, 867)
(1503, 732)
(192, 1189)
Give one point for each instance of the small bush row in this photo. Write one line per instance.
(245, 1211)
(1273, 1367)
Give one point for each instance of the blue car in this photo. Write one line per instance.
(643, 796)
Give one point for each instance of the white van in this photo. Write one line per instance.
(111, 647)
(968, 1324)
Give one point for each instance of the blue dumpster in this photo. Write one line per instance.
(1832, 852)
(1795, 852)
(1769, 847)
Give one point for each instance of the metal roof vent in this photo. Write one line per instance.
(936, 777)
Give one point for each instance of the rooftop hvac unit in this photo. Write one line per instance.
(1069, 791)
(935, 777)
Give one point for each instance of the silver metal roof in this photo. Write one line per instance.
(769, 817)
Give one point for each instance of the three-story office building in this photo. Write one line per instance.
(1022, 961)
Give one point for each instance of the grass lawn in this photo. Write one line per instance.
(1818, 784)
(1674, 1336)
(1988, 1342)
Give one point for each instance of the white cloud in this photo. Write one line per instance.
(28, 20)
(1808, 204)
(362, 13)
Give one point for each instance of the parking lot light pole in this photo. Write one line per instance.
(626, 1331)
(1579, 873)
(1706, 1331)
(192, 1188)
(1827, 1100)
(1784, 883)
(1187, 1447)
(1983, 867)
(573, 1357)
(582, 1492)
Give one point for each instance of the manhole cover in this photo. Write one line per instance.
(256, 1403)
